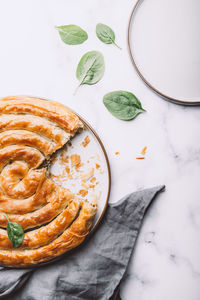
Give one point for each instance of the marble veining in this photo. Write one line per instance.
(165, 264)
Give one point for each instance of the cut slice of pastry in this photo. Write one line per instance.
(31, 130)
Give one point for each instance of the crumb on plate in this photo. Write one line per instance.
(76, 161)
(86, 141)
(83, 183)
(93, 179)
(97, 166)
(91, 186)
(87, 175)
(64, 158)
(83, 193)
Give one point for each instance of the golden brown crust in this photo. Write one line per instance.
(51, 110)
(45, 234)
(31, 156)
(27, 138)
(41, 197)
(36, 124)
(69, 239)
(57, 199)
(31, 130)
(17, 181)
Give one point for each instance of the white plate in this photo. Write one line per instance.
(92, 155)
(164, 43)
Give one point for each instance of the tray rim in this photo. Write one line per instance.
(107, 198)
(162, 95)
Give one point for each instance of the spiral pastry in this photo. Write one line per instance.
(53, 219)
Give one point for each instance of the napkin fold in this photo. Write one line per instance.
(93, 270)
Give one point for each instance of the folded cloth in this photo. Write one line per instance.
(92, 271)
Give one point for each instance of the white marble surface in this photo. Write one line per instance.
(34, 61)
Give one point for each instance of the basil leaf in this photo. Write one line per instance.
(123, 105)
(106, 34)
(72, 34)
(15, 233)
(91, 68)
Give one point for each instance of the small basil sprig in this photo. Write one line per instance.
(72, 34)
(106, 34)
(123, 105)
(15, 232)
(91, 68)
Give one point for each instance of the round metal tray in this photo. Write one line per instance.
(107, 178)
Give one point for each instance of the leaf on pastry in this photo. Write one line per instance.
(15, 233)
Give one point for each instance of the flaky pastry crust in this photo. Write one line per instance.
(31, 130)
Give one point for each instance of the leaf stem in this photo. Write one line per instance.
(117, 45)
(76, 89)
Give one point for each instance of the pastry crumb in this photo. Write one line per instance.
(64, 158)
(94, 199)
(86, 141)
(143, 152)
(83, 193)
(97, 166)
(93, 179)
(117, 153)
(76, 161)
(91, 186)
(87, 175)
(98, 157)
(84, 184)
(67, 169)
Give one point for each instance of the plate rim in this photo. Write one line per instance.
(108, 168)
(164, 96)
(108, 192)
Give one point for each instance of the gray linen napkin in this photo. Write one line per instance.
(94, 270)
